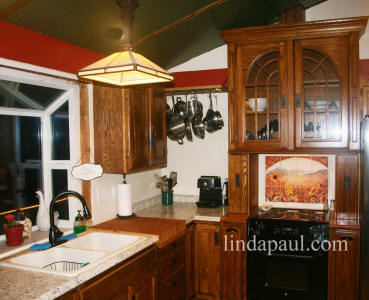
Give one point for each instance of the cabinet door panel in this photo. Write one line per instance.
(145, 288)
(108, 128)
(238, 183)
(262, 88)
(190, 261)
(207, 261)
(158, 137)
(347, 204)
(346, 277)
(137, 136)
(232, 261)
(321, 73)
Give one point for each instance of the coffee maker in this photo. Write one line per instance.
(210, 191)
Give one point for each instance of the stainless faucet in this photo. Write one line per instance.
(55, 233)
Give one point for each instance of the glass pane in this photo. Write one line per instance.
(250, 127)
(60, 133)
(27, 96)
(308, 125)
(334, 126)
(20, 163)
(321, 125)
(334, 97)
(59, 179)
(308, 96)
(273, 127)
(321, 98)
(273, 99)
(262, 127)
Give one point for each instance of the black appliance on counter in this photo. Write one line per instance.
(210, 191)
(293, 274)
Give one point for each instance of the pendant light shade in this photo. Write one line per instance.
(125, 68)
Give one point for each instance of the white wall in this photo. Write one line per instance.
(104, 195)
(200, 157)
(333, 9)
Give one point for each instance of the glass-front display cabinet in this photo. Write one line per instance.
(263, 106)
(321, 93)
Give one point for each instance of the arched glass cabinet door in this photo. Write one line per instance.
(320, 106)
(262, 101)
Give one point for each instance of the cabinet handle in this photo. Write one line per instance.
(174, 283)
(346, 238)
(283, 101)
(174, 260)
(174, 245)
(216, 238)
(231, 230)
(347, 181)
(298, 100)
(133, 298)
(238, 180)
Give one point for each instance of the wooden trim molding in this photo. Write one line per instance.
(85, 138)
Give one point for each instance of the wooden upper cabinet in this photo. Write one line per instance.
(137, 130)
(262, 111)
(129, 128)
(305, 79)
(322, 85)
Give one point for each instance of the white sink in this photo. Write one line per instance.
(58, 260)
(103, 241)
(75, 256)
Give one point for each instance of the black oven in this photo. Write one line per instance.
(293, 274)
(279, 276)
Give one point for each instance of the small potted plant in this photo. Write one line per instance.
(13, 231)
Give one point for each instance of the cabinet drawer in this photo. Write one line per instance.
(168, 264)
(174, 287)
(173, 246)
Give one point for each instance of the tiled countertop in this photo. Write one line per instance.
(183, 211)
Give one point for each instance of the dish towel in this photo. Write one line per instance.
(44, 246)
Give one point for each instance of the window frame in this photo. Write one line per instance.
(24, 73)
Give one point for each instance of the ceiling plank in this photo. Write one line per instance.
(180, 21)
(12, 8)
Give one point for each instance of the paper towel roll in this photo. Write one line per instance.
(124, 200)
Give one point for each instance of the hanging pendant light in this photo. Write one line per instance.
(125, 67)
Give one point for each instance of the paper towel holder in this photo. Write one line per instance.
(133, 214)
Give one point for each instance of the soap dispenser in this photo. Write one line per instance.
(79, 224)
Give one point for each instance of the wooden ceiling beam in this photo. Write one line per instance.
(180, 21)
(12, 8)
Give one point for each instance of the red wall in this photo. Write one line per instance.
(28, 46)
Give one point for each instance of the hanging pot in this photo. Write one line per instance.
(198, 126)
(187, 122)
(194, 107)
(210, 120)
(180, 107)
(220, 122)
(176, 128)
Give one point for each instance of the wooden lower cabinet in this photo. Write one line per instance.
(233, 261)
(207, 264)
(343, 278)
(135, 279)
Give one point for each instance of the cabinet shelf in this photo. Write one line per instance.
(271, 112)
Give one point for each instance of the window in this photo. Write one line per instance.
(37, 142)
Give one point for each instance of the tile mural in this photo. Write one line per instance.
(298, 179)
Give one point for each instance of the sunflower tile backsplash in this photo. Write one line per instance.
(296, 179)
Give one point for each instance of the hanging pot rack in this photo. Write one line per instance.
(208, 89)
